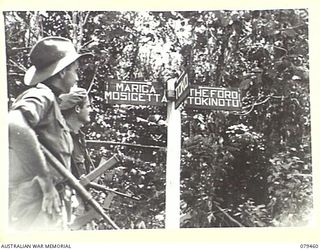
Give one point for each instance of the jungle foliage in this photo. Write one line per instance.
(250, 168)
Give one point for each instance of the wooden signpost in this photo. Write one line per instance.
(173, 162)
(179, 91)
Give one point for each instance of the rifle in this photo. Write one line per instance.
(74, 183)
(104, 189)
(105, 164)
(87, 181)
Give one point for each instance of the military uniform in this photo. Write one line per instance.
(40, 108)
(80, 165)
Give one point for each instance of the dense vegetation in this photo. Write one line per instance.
(249, 168)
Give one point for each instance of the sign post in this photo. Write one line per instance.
(178, 91)
(173, 162)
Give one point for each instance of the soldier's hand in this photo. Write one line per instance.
(51, 201)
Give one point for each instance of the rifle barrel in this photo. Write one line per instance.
(105, 189)
(74, 183)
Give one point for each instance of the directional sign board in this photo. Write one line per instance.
(182, 89)
(135, 93)
(205, 97)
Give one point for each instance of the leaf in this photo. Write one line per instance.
(211, 218)
(184, 218)
(290, 32)
(141, 225)
(245, 84)
(224, 21)
(221, 140)
(296, 77)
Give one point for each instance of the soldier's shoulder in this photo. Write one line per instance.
(40, 91)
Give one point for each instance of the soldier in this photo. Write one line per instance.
(75, 107)
(37, 192)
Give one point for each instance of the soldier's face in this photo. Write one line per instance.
(70, 76)
(84, 114)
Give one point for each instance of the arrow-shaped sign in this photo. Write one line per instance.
(104, 165)
(182, 89)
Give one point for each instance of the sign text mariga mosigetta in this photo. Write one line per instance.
(135, 93)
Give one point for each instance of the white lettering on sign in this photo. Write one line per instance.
(129, 96)
(164, 98)
(182, 89)
(183, 85)
(214, 93)
(139, 88)
(215, 98)
(131, 92)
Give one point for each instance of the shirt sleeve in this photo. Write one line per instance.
(34, 104)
